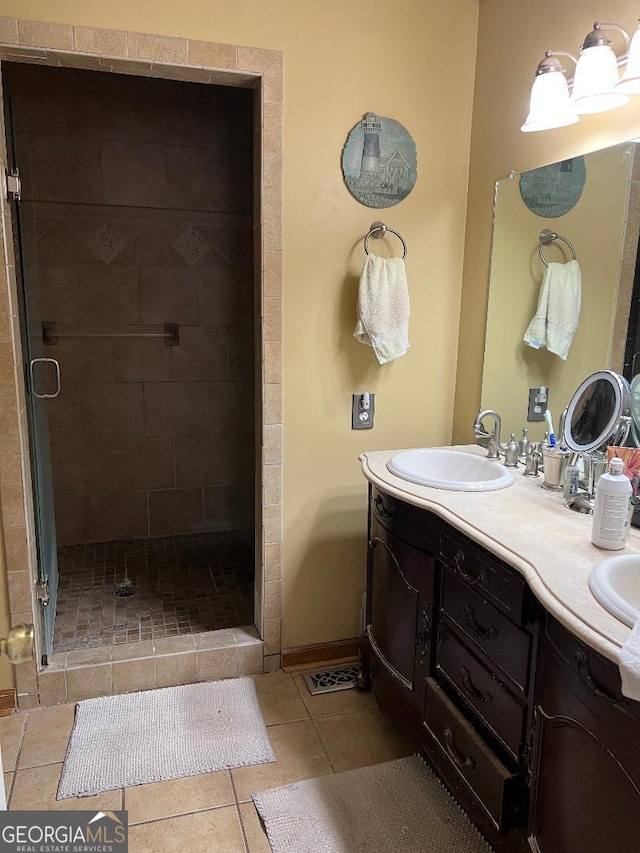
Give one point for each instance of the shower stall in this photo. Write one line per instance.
(134, 252)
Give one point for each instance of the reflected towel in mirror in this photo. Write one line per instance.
(383, 307)
(556, 318)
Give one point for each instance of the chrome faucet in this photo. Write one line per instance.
(489, 440)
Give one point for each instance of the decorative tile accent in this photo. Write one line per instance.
(212, 55)
(157, 48)
(98, 41)
(272, 130)
(9, 30)
(192, 245)
(45, 35)
(270, 63)
(106, 243)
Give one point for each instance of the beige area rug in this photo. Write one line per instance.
(119, 741)
(396, 807)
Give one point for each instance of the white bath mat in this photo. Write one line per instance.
(396, 806)
(118, 741)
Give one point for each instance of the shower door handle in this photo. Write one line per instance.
(32, 386)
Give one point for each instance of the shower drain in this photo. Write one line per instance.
(124, 591)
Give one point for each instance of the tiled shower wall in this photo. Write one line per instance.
(138, 202)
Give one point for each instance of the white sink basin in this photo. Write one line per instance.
(615, 582)
(450, 469)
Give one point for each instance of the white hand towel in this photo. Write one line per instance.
(558, 311)
(383, 307)
(630, 664)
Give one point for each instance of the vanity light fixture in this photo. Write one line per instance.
(551, 105)
(596, 87)
(630, 80)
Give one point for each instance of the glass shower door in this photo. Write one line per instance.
(42, 378)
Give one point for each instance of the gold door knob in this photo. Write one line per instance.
(18, 644)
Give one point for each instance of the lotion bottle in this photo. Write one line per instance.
(612, 509)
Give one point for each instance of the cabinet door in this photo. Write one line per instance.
(399, 603)
(584, 798)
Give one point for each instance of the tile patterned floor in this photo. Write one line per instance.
(183, 585)
(311, 736)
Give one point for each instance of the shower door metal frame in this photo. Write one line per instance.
(33, 358)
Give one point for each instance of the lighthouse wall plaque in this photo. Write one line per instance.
(379, 161)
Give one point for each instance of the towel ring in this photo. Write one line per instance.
(383, 229)
(546, 238)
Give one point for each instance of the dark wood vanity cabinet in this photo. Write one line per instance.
(448, 649)
(477, 701)
(524, 723)
(400, 590)
(585, 795)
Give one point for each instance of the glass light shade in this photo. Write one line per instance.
(550, 105)
(630, 80)
(596, 78)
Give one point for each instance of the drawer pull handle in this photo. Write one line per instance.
(471, 690)
(422, 639)
(582, 667)
(481, 633)
(458, 562)
(461, 762)
(382, 510)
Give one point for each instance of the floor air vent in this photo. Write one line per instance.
(332, 678)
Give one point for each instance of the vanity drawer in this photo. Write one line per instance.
(589, 674)
(493, 785)
(485, 626)
(482, 691)
(482, 571)
(409, 522)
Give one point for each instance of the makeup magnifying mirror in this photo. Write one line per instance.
(598, 415)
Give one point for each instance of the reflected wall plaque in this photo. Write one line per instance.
(379, 162)
(552, 191)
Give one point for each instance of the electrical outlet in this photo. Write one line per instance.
(538, 403)
(362, 413)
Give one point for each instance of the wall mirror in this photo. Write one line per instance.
(602, 226)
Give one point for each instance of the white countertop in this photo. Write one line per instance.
(530, 529)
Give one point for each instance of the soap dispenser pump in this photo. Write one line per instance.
(523, 445)
(511, 452)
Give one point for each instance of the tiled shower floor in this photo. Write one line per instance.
(184, 585)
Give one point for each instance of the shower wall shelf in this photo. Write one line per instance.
(51, 335)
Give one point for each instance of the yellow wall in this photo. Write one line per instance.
(342, 60)
(595, 227)
(512, 38)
